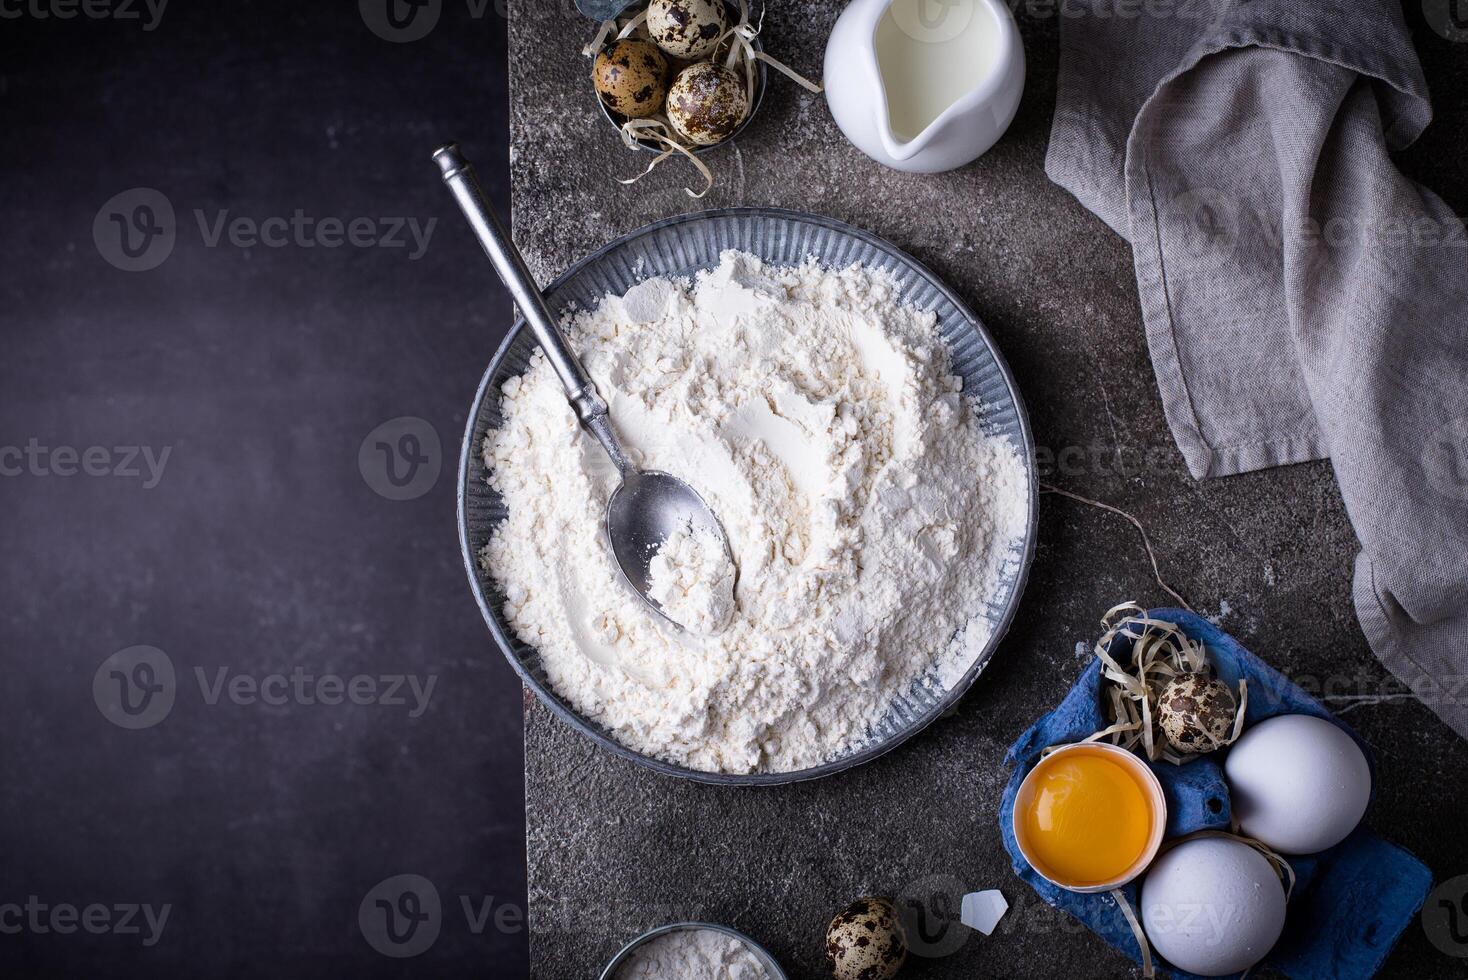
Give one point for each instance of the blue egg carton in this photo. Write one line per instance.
(1350, 904)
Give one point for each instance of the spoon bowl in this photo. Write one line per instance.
(642, 513)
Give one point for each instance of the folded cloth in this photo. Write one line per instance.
(1302, 298)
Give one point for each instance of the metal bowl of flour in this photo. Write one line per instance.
(679, 247)
(772, 968)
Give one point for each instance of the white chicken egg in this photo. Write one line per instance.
(1298, 783)
(1212, 906)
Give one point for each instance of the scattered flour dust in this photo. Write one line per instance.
(692, 579)
(870, 517)
(693, 954)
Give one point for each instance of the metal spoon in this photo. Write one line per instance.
(649, 505)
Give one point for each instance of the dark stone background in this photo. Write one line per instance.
(262, 548)
(614, 849)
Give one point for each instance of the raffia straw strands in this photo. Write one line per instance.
(1146, 542)
(598, 42)
(1160, 652)
(744, 34)
(662, 134)
(1148, 971)
(1350, 702)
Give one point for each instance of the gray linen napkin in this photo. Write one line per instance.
(1302, 298)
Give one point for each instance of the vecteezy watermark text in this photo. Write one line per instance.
(120, 10)
(126, 462)
(137, 687)
(404, 21)
(303, 688)
(1102, 458)
(136, 230)
(402, 916)
(1203, 923)
(63, 918)
(305, 231)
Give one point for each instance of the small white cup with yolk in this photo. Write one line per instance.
(1089, 817)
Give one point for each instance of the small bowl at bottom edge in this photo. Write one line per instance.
(771, 965)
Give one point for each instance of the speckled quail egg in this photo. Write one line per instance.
(630, 75)
(706, 103)
(866, 941)
(687, 29)
(1196, 713)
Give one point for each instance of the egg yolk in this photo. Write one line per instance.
(1087, 820)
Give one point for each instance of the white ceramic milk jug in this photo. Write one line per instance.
(924, 85)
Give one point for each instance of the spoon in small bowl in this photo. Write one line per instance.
(649, 505)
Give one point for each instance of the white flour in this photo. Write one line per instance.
(692, 954)
(692, 579)
(870, 517)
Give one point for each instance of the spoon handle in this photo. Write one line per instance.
(510, 264)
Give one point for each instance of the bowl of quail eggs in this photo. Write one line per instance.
(681, 64)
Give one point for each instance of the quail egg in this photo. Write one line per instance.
(630, 75)
(706, 103)
(866, 941)
(687, 29)
(1196, 713)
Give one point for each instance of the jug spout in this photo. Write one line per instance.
(900, 149)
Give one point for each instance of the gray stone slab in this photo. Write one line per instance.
(614, 850)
